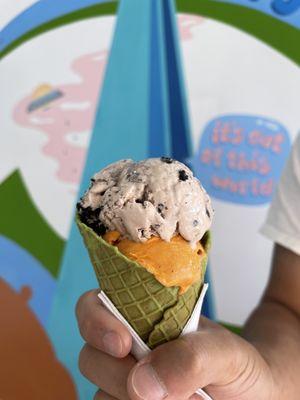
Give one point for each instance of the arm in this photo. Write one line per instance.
(264, 365)
(274, 327)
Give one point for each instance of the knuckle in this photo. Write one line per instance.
(195, 351)
(235, 349)
(223, 337)
(91, 327)
(226, 337)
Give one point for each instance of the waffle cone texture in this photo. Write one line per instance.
(157, 313)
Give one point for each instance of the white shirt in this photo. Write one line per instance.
(283, 220)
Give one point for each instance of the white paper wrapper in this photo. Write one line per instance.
(139, 348)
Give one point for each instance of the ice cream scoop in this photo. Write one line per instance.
(173, 263)
(154, 197)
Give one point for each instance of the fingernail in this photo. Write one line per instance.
(146, 383)
(112, 344)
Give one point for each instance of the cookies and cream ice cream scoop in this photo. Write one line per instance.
(154, 197)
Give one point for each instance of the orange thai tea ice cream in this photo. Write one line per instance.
(173, 263)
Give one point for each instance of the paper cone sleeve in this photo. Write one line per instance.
(156, 312)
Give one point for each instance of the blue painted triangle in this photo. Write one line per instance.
(179, 121)
(158, 134)
(174, 110)
(142, 113)
(121, 121)
(169, 131)
(120, 131)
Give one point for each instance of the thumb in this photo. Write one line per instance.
(212, 356)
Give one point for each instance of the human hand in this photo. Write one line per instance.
(228, 367)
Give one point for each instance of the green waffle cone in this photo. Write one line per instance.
(157, 313)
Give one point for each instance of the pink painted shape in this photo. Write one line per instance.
(186, 25)
(57, 122)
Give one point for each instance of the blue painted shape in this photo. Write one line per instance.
(121, 123)
(43, 100)
(120, 131)
(169, 131)
(178, 127)
(240, 158)
(284, 7)
(287, 11)
(44, 11)
(38, 14)
(158, 144)
(19, 268)
(179, 124)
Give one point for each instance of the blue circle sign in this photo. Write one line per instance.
(240, 158)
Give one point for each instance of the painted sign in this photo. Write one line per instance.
(240, 158)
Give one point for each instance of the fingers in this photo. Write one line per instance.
(175, 370)
(100, 328)
(105, 371)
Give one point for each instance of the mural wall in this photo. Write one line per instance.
(242, 96)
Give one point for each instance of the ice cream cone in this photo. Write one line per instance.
(156, 312)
